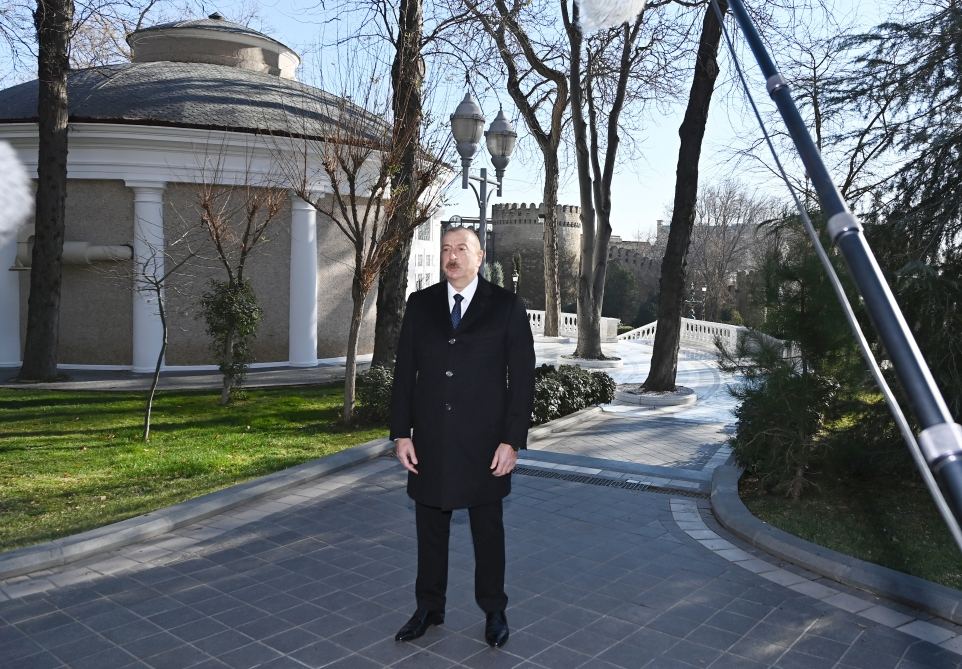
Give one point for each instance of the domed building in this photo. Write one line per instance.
(203, 103)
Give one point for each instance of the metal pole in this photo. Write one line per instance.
(482, 216)
(940, 438)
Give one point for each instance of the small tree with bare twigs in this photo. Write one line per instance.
(235, 219)
(153, 277)
(358, 161)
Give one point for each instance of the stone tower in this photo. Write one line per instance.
(518, 230)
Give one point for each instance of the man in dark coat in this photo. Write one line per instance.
(460, 410)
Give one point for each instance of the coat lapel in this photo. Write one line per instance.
(439, 306)
(478, 304)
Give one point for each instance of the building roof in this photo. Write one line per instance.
(195, 95)
(213, 22)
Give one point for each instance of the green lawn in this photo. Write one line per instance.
(71, 461)
(892, 523)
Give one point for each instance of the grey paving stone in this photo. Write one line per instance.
(692, 653)
(181, 657)
(81, 648)
(320, 653)
(423, 660)
(149, 646)
(45, 622)
(354, 662)
(597, 576)
(223, 642)
(251, 655)
(826, 649)
(458, 647)
(114, 658)
(42, 660)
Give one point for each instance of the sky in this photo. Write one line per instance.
(644, 182)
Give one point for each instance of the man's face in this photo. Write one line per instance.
(460, 257)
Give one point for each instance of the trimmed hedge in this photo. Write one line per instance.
(557, 392)
(566, 389)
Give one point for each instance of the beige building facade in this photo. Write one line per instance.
(146, 140)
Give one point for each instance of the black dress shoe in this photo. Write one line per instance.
(419, 624)
(496, 629)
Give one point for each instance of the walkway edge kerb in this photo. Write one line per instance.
(117, 535)
(731, 512)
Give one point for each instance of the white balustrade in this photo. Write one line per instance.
(568, 326)
(705, 333)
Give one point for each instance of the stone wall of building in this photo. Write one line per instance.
(95, 300)
(267, 270)
(645, 268)
(518, 230)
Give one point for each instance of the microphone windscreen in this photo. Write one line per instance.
(597, 14)
(15, 194)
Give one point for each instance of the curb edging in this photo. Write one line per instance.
(60, 552)
(731, 512)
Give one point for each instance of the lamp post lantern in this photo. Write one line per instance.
(467, 123)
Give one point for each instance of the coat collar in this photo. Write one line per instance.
(478, 305)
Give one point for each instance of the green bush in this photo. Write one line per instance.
(232, 315)
(562, 391)
(778, 419)
(557, 392)
(548, 394)
(374, 395)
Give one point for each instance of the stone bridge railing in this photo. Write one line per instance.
(568, 326)
(701, 332)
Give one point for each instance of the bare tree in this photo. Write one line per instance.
(358, 160)
(537, 81)
(149, 278)
(235, 218)
(664, 359)
(728, 237)
(602, 91)
(407, 83)
(420, 34)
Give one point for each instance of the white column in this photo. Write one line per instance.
(9, 306)
(302, 322)
(148, 260)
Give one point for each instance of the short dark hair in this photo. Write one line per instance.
(457, 228)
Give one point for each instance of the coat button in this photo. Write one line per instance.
(447, 406)
(449, 373)
(452, 340)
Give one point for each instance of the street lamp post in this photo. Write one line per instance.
(467, 123)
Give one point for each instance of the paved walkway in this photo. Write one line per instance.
(606, 569)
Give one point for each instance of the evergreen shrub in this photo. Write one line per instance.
(374, 395)
(566, 389)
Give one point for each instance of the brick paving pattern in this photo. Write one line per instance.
(323, 577)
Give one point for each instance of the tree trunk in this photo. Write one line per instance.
(391, 293)
(664, 358)
(53, 20)
(407, 79)
(552, 292)
(358, 297)
(228, 382)
(155, 380)
(589, 335)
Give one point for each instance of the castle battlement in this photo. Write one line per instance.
(514, 213)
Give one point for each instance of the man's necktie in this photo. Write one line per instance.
(456, 312)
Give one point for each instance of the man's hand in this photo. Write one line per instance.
(504, 460)
(404, 449)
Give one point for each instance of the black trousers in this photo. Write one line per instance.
(487, 533)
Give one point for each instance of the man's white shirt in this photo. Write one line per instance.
(467, 294)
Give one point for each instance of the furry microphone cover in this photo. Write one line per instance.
(597, 14)
(15, 199)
